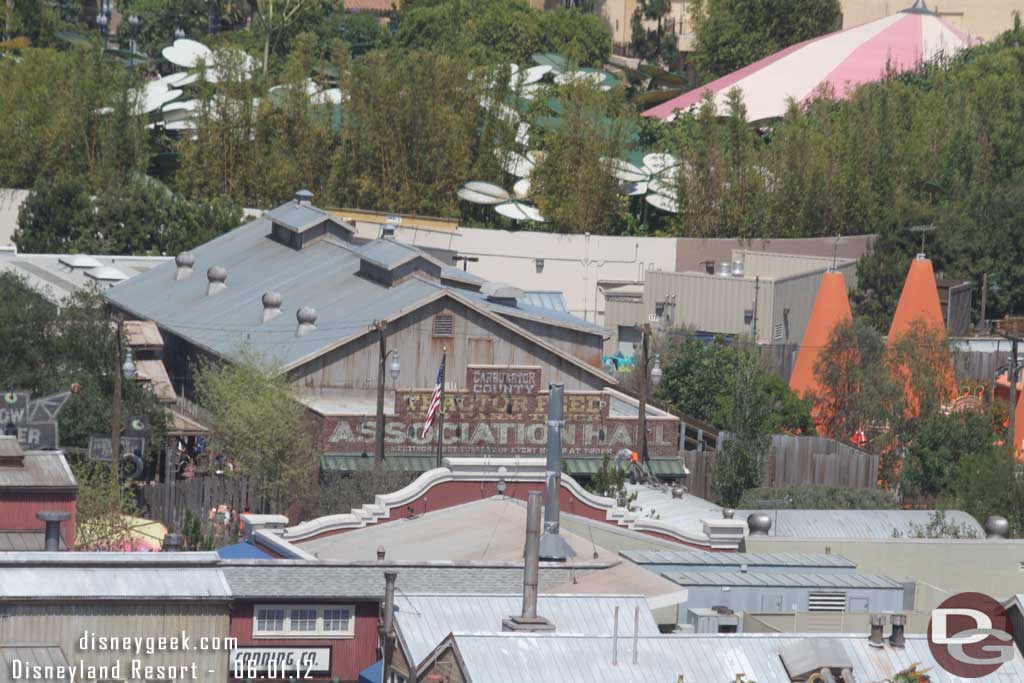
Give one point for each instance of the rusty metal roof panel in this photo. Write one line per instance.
(46, 470)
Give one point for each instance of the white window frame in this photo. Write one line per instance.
(317, 633)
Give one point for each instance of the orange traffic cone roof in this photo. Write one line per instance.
(1018, 429)
(918, 301)
(831, 307)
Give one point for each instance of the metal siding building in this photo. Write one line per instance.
(789, 592)
(684, 561)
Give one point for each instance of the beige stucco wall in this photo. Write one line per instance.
(982, 18)
(940, 567)
(618, 15)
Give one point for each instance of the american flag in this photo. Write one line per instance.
(435, 401)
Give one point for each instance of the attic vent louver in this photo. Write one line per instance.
(271, 306)
(444, 325)
(185, 260)
(307, 320)
(217, 276)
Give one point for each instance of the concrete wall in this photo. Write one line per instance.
(10, 203)
(618, 15)
(940, 567)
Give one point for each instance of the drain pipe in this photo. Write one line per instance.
(387, 624)
(552, 545)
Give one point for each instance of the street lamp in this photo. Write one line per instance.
(103, 23)
(133, 27)
(179, 33)
(650, 372)
(656, 371)
(393, 368)
(128, 368)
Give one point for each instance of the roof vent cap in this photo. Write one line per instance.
(759, 523)
(185, 260)
(997, 527)
(304, 198)
(388, 230)
(218, 276)
(271, 305)
(307, 320)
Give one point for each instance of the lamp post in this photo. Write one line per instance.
(126, 370)
(133, 27)
(650, 371)
(393, 368)
(104, 25)
(179, 33)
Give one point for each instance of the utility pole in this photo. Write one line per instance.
(378, 454)
(645, 333)
(115, 420)
(757, 289)
(984, 301)
(1010, 332)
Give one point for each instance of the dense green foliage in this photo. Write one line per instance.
(731, 34)
(47, 350)
(940, 446)
(651, 33)
(818, 498)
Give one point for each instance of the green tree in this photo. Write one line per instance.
(741, 460)
(989, 482)
(104, 510)
(933, 458)
(573, 185)
(733, 33)
(658, 43)
(259, 422)
(278, 21)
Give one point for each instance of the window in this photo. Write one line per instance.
(303, 621)
(444, 325)
(269, 620)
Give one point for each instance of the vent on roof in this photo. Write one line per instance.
(106, 274)
(218, 277)
(444, 325)
(11, 454)
(505, 295)
(390, 262)
(79, 261)
(271, 306)
(298, 224)
(831, 601)
(807, 657)
(307, 320)
(184, 261)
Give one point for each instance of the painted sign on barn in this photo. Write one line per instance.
(35, 421)
(502, 424)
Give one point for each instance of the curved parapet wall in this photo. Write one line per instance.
(467, 479)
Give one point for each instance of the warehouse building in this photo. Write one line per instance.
(35, 486)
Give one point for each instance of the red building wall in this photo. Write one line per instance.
(349, 656)
(18, 512)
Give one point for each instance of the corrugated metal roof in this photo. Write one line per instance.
(550, 301)
(699, 558)
(38, 655)
(321, 275)
(41, 470)
(390, 253)
(56, 281)
(854, 523)
(112, 583)
(792, 579)
(514, 658)
(274, 580)
(423, 620)
(25, 540)
(523, 309)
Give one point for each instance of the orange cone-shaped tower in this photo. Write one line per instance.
(831, 308)
(919, 303)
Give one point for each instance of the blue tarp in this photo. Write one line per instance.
(372, 673)
(243, 551)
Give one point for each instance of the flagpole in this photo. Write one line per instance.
(440, 410)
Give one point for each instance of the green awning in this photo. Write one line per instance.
(667, 468)
(399, 462)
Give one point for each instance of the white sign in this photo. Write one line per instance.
(280, 662)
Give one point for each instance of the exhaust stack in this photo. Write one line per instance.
(529, 620)
(53, 520)
(387, 623)
(553, 546)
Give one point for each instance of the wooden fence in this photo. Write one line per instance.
(169, 501)
(795, 461)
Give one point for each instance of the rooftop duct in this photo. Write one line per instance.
(307, 320)
(724, 268)
(53, 520)
(184, 261)
(552, 545)
(529, 620)
(876, 639)
(899, 623)
(271, 306)
(217, 276)
(388, 230)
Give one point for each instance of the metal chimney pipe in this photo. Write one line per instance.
(53, 520)
(380, 553)
(531, 566)
(636, 634)
(615, 638)
(553, 546)
(877, 626)
(899, 623)
(173, 543)
(387, 621)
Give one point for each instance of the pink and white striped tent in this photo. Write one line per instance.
(841, 61)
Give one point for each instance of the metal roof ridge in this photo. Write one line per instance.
(590, 596)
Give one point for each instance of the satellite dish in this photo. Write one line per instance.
(523, 134)
(662, 187)
(536, 73)
(480, 192)
(657, 162)
(80, 261)
(660, 201)
(627, 172)
(633, 189)
(153, 98)
(177, 80)
(518, 211)
(522, 188)
(329, 96)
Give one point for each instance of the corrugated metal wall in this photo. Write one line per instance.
(18, 512)
(64, 625)
(621, 311)
(709, 303)
(789, 599)
(475, 340)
